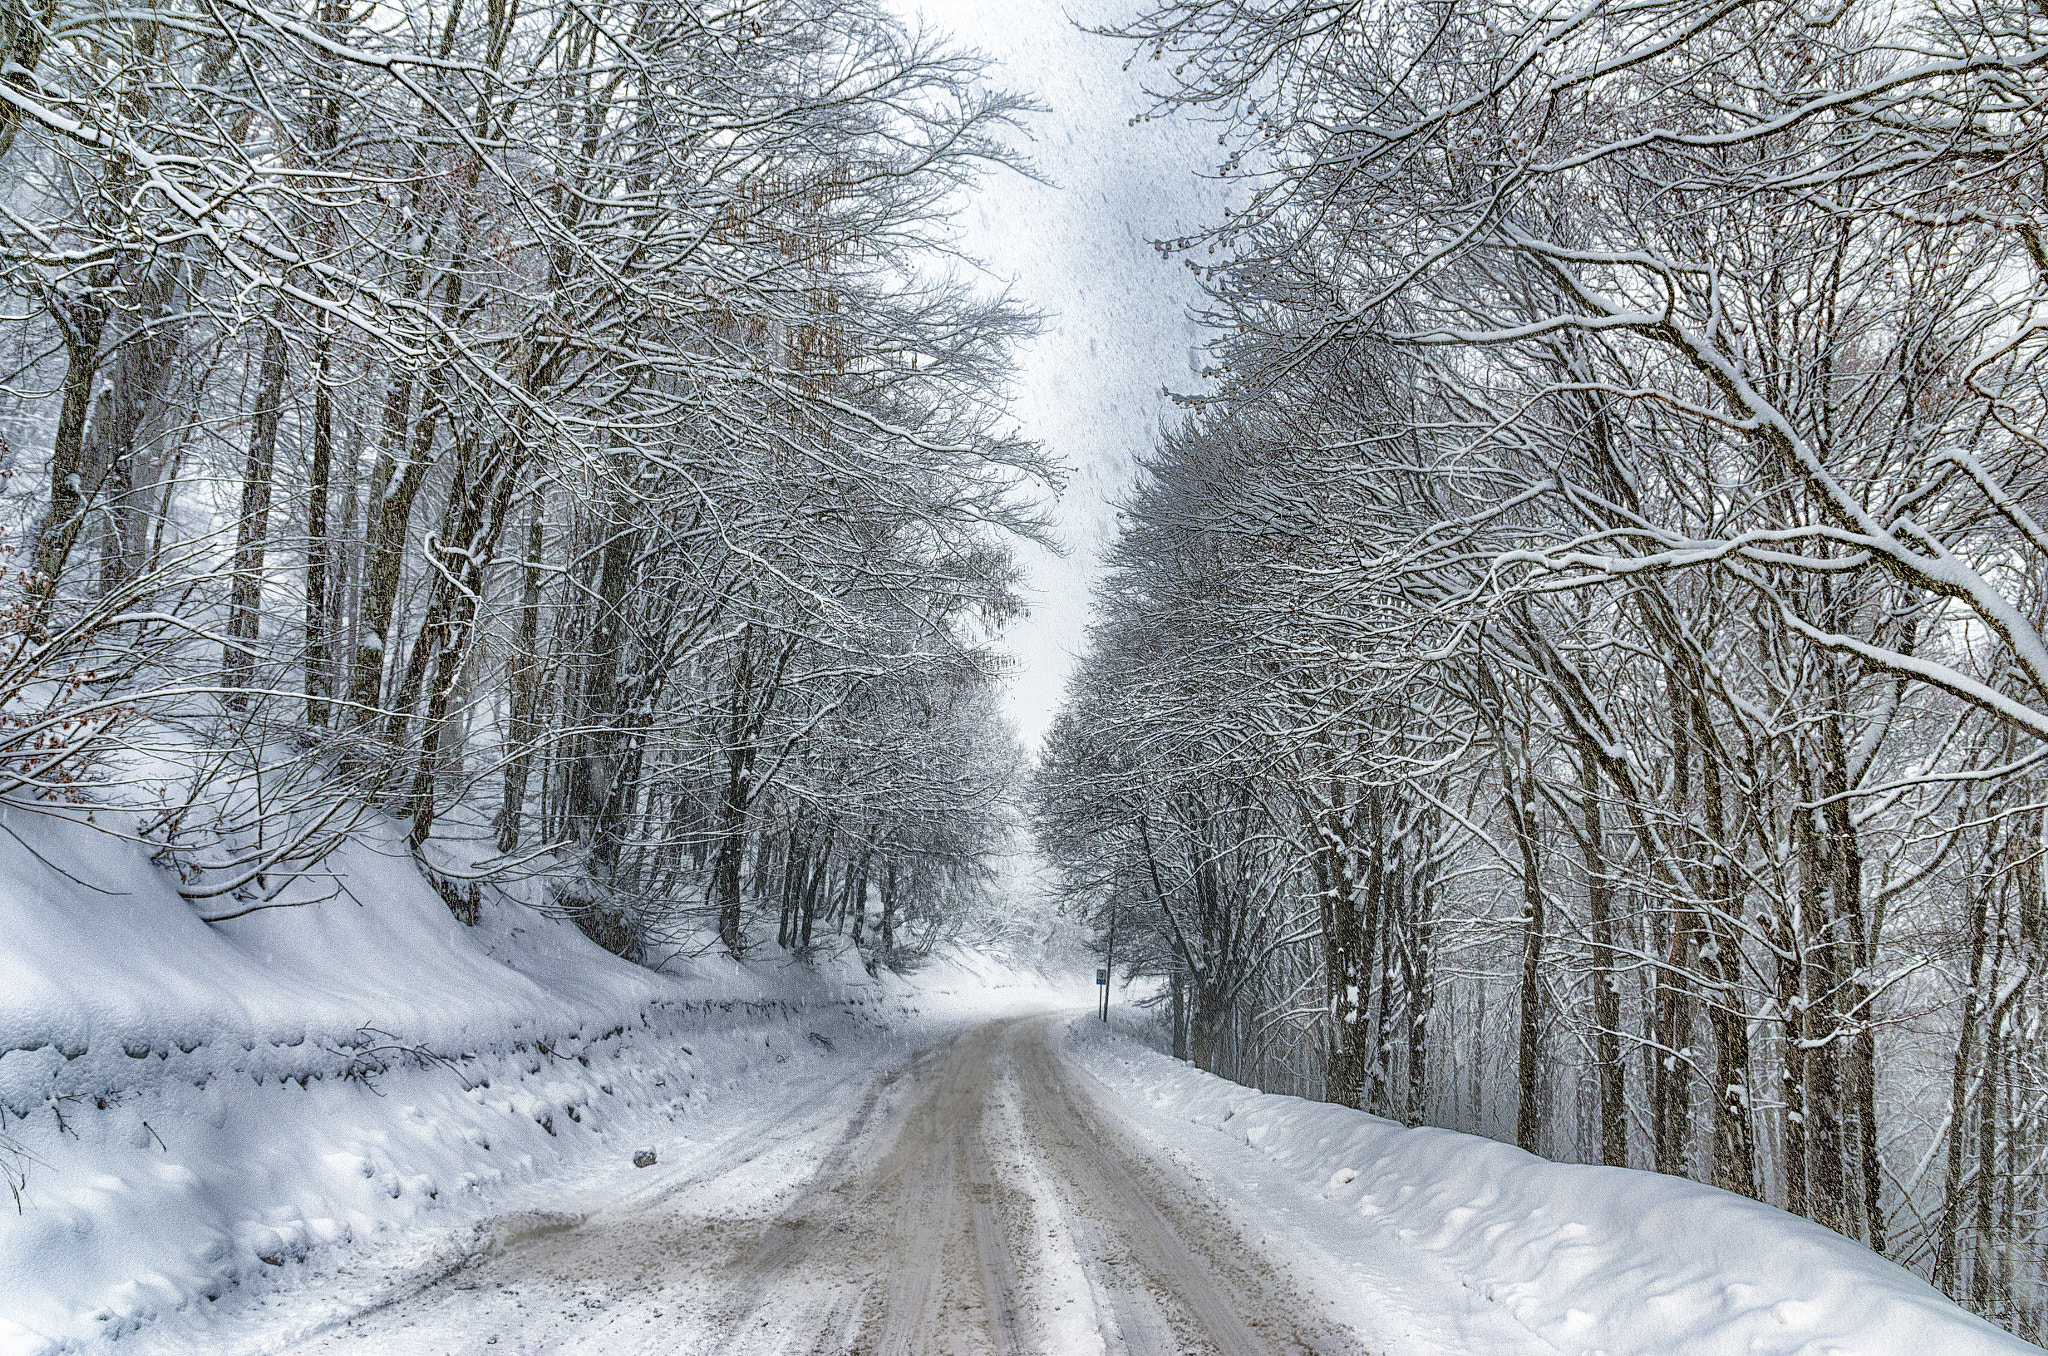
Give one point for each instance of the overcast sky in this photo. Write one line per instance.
(1077, 249)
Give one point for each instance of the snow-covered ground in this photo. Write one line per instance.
(359, 1119)
(1439, 1243)
(310, 1109)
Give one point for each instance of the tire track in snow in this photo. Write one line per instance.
(977, 1200)
(1179, 1275)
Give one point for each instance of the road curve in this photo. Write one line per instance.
(981, 1199)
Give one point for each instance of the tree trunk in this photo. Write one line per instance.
(1794, 1000)
(479, 503)
(1984, 1288)
(388, 517)
(128, 430)
(1177, 986)
(1521, 794)
(732, 846)
(319, 475)
(1720, 947)
(1415, 968)
(83, 324)
(889, 910)
(1945, 1251)
(524, 700)
(1845, 855)
(792, 872)
(857, 905)
(252, 530)
(816, 886)
(1347, 957)
(1671, 1093)
(1606, 992)
(600, 755)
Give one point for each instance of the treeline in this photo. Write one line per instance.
(552, 425)
(1579, 674)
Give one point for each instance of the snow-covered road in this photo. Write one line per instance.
(978, 1196)
(981, 1171)
(385, 1131)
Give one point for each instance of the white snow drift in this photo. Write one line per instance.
(1451, 1242)
(216, 1117)
(209, 1114)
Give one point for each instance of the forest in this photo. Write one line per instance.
(1576, 671)
(1579, 671)
(560, 428)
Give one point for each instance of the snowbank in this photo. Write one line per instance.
(1593, 1261)
(211, 1113)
